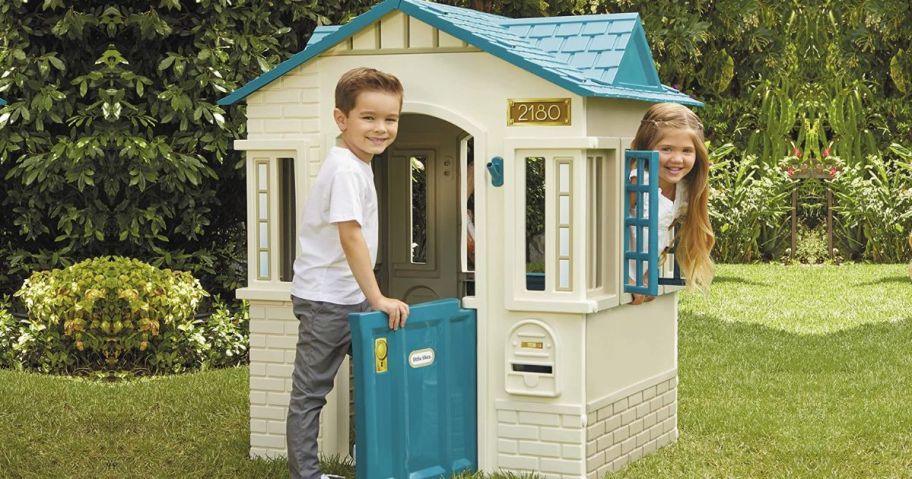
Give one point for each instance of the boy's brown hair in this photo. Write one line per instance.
(362, 79)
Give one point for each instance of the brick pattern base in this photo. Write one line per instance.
(623, 429)
(540, 438)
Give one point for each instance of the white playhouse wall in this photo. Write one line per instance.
(606, 365)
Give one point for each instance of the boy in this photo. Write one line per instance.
(334, 275)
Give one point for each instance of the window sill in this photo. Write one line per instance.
(280, 292)
(554, 305)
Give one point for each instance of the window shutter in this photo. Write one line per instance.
(643, 223)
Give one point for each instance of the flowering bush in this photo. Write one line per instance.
(115, 314)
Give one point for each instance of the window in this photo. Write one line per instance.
(418, 205)
(262, 219)
(602, 222)
(274, 218)
(535, 224)
(287, 223)
(564, 220)
(411, 213)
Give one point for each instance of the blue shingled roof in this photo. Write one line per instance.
(590, 55)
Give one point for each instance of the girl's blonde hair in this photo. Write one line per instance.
(695, 238)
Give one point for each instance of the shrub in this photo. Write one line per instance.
(114, 314)
(9, 334)
(811, 245)
(225, 336)
(748, 207)
(873, 209)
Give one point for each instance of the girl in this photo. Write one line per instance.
(677, 134)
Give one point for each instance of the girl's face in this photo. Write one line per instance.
(677, 155)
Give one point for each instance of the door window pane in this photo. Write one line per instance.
(418, 171)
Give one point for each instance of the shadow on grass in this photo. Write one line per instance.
(901, 279)
(759, 346)
(738, 280)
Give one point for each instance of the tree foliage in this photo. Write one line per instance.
(112, 142)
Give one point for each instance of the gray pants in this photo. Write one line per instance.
(324, 338)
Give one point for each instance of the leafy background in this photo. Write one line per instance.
(112, 142)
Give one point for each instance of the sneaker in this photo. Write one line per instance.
(331, 476)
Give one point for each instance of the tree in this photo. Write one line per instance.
(112, 142)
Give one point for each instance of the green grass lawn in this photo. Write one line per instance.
(784, 371)
(798, 371)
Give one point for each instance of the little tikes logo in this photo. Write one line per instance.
(421, 358)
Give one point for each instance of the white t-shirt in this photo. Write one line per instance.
(343, 191)
(669, 211)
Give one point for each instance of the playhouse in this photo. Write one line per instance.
(571, 380)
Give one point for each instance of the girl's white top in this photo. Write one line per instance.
(669, 211)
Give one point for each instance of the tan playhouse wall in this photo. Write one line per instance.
(616, 375)
(641, 339)
(631, 409)
(611, 117)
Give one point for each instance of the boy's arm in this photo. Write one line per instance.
(358, 257)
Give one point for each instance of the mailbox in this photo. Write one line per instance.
(531, 360)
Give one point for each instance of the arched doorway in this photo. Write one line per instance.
(423, 195)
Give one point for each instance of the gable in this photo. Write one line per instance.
(395, 32)
(637, 68)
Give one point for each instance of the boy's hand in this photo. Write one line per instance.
(396, 310)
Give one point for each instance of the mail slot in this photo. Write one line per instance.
(531, 367)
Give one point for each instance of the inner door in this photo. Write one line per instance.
(421, 254)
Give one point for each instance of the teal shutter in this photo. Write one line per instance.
(644, 223)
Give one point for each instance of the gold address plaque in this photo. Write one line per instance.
(538, 111)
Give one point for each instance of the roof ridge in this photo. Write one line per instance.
(573, 18)
(451, 9)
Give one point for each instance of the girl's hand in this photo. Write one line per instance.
(640, 298)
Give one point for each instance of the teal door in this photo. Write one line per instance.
(415, 393)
